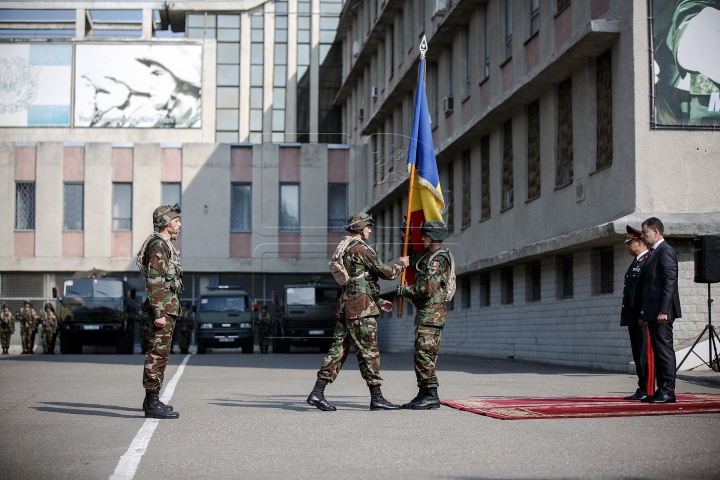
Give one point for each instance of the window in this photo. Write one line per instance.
(171, 193)
(533, 146)
(122, 207)
(241, 207)
(466, 182)
(73, 207)
(604, 111)
(486, 42)
(465, 286)
(451, 198)
(289, 207)
(604, 263)
(435, 74)
(227, 28)
(485, 175)
(532, 283)
(280, 72)
(506, 283)
(391, 46)
(24, 205)
(507, 178)
(534, 16)
(565, 276)
(337, 206)
(257, 72)
(508, 28)
(468, 72)
(401, 33)
(562, 4)
(303, 71)
(484, 289)
(564, 169)
(450, 73)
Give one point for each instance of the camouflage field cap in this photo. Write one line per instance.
(435, 229)
(359, 220)
(164, 214)
(48, 305)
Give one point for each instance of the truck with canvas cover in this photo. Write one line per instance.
(224, 319)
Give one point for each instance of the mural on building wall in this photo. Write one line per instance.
(35, 85)
(686, 62)
(138, 86)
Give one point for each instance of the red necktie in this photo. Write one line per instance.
(650, 252)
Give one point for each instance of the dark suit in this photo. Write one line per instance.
(629, 316)
(659, 292)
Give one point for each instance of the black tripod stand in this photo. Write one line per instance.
(713, 362)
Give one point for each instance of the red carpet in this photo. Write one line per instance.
(583, 407)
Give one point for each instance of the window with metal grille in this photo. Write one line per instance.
(607, 270)
(564, 170)
(562, 4)
(532, 282)
(451, 198)
(466, 292)
(73, 206)
(485, 176)
(506, 285)
(484, 289)
(122, 207)
(241, 207)
(24, 205)
(565, 276)
(533, 146)
(507, 178)
(508, 29)
(290, 207)
(337, 206)
(534, 16)
(604, 111)
(466, 179)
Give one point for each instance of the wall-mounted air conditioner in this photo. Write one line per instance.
(441, 7)
(357, 46)
(374, 92)
(447, 105)
(361, 114)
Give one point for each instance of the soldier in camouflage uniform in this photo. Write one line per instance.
(49, 323)
(144, 331)
(7, 328)
(159, 261)
(428, 296)
(184, 328)
(28, 325)
(357, 314)
(265, 324)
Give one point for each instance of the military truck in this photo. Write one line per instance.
(97, 311)
(224, 319)
(308, 318)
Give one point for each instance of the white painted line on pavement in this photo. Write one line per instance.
(127, 466)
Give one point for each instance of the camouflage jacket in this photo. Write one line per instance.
(28, 317)
(264, 323)
(7, 322)
(360, 297)
(163, 281)
(428, 291)
(49, 321)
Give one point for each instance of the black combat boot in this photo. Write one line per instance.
(378, 402)
(154, 408)
(428, 401)
(421, 393)
(317, 397)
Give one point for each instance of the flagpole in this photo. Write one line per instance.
(423, 49)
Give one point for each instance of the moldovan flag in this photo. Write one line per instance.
(427, 199)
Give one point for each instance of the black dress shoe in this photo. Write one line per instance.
(663, 398)
(639, 395)
(318, 401)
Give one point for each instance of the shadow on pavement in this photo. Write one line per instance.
(88, 409)
(287, 402)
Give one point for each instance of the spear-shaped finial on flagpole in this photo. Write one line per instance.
(423, 48)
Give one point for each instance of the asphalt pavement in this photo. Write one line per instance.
(245, 416)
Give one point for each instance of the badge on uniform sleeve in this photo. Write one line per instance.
(434, 263)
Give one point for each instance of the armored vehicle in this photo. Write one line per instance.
(308, 318)
(97, 311)
(224, 319)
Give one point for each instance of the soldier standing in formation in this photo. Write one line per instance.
(357, 314)
(159, 261)
(264, 323)
(435, 273)
(49, 327)
(184, 328)
(28, 325)
(7, 328)
(630, 312)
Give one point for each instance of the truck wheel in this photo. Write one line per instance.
(248, 348)
(201, 348)
(124, 346)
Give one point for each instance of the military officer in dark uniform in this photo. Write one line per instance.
(630, 313)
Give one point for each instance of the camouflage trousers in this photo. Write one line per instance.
(157, 355)
(427, 347)
(264, 340)
(27, 333)
(144, 334)
(48, 335)
(362, 333)
(5, 339)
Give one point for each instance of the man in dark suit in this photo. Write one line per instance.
(630, 313)
(661, 306)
